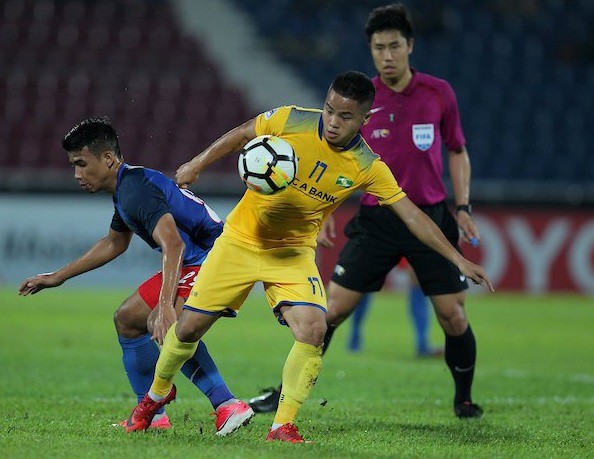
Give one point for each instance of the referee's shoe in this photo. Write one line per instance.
(267, 402)
(468, 410)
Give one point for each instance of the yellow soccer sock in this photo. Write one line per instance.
(300, 373)
(173, 355)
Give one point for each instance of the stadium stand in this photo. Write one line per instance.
(523, 71)
(61, 62)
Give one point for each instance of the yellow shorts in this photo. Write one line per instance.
(289, 274)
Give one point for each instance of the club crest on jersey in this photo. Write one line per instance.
(344, 182)
(269, 113)
(423, 136)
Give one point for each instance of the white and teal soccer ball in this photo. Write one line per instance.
(267, 164)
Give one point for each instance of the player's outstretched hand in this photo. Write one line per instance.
(185, 175)
(37, 283)
(162, 318)
(476, 273)
(327, 233)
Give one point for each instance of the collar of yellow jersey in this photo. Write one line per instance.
(350, 145)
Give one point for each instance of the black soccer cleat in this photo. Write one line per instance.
(267, 402)
(468, 410)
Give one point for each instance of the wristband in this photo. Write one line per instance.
(465, 207)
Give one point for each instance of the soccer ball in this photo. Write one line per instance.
(267, 164)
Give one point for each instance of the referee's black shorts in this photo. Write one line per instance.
(378, 239)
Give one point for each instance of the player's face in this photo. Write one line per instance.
(342, 118)
(93, 173)
(390, 52)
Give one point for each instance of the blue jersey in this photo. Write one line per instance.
(144, 195)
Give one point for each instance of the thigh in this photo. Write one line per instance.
(291, 278)
(226, 277)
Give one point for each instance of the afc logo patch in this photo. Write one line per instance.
(380, 133)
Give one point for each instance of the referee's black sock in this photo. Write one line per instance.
(328, 337)
(460, 355)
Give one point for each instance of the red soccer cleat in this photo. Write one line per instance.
(145, 411)
(288, 433)
(232, 417)
(163, 423)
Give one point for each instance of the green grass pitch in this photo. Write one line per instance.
(62, 384)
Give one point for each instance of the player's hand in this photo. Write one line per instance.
(327, 233)
(470, 232)
(37, 283)
(475, 273)
(186, 174)
(162, 318)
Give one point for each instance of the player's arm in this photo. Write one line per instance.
(429, 233)
(172, 246)
(460, 171)
(232, 142)
(327, 233)
(105, 250)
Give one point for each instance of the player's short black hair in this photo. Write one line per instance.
(97, 134)
(390, 17)
(356, 86)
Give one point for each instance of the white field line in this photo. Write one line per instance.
(516, 373)
(550, 400)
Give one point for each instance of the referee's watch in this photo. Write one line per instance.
(465, 207)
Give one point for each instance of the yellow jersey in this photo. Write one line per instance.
(326, 176)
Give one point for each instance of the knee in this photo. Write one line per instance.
(454, 321)
(127, 323)
(333, 318)
(341, 303)
(319, 329)
(186, 331)
(312, 332)
(337, 314)
(121, 323)
(459, 323)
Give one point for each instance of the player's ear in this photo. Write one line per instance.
(108, 158)
(411, 45)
